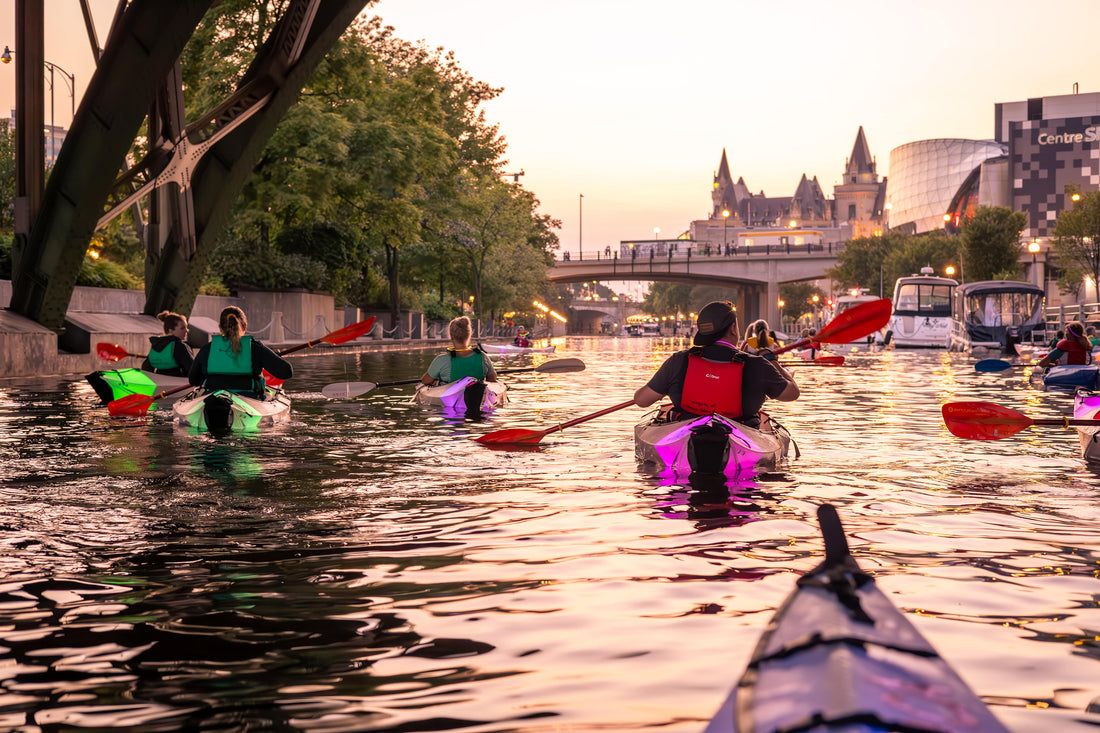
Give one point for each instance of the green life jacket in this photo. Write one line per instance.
(165, 358)
(467, 366)
(233, 372)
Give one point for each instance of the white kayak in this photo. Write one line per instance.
(711, 444)
(839, 656)
(1086, 406)
(221, 411)
(465, 395)
(498, 349)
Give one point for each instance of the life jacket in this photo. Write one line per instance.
(163, 358)
(226, 370)
(467, 366)
(1075, 353)
(712, 387)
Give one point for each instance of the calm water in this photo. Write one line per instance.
(370, 567)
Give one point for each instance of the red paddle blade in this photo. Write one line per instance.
(856, 323)
(983, 420)
(271, 381)
(515, 436)
(131, 404)
(110, 352)
(347, 333)
(830, 360)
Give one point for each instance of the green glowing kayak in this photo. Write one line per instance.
(839, 656)
(112, 384)
(222, 411)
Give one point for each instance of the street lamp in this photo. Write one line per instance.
(580, 229)
(725, 221)
(1034, 248)
(814, 301)
(782, 325)
(70, 80)
(949, 270)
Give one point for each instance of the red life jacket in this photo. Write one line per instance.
(1075, 353)
(712, 387)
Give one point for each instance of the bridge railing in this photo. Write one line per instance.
(708, 250)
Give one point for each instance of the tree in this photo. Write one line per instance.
(798, 299)
(862, 263)
(1076, 242)
(990, 241)
(935, 250)
(7, 177)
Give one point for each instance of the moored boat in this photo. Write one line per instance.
(1086, 406)
(995, 315)
(872, 342)
(498, 349)
(222, 411)
(463, 396)
(711, 444)
(921, 317)
(839, 656)
(113, 384)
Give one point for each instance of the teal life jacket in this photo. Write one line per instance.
(164, 358)
(467, 366)
(226, 370)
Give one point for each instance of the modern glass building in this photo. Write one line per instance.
(926, 175)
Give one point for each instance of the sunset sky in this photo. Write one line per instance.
(631, 103)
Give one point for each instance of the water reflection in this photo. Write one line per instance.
(368, 566)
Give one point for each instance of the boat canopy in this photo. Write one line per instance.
(996, 303)
(923, 296)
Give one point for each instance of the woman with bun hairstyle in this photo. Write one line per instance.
(233, 361)
(461, 359)
(1074, 348)
(169, 353)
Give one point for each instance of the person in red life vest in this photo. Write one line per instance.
(1075, 348)
(460, 360)
(714, 376)
(233, 361)
(169, 353)
(522, 338)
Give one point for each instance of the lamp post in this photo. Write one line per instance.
(1034, 248)
(70, 80)
(725, 222)
(580, 228)
(782, 325)
(814, 301)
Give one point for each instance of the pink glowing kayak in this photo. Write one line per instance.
(711, 445)
(1086, 406)
(463, 396)
(839, 656)
(502, 349)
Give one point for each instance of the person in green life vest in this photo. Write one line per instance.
(460, 360)
(169, 353)
(234, 361)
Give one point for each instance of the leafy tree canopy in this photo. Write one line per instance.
(990, 240)
(1076, 243)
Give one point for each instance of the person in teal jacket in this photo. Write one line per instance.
(169, 353)
(234, 361)
(460, 360)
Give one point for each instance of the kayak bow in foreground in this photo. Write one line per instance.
(838, 656)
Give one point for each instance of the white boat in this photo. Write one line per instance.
(711, 444)
(463, 396)
(995, 315)
(1086, 406)
(873, 342)
(498, 349)
(921, 317)
(221, 411)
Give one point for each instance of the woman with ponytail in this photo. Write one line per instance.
(234, 361)
(1075, 348)
(169, 353)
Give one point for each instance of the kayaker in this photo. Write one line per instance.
(460, 360)
(759, 337)
(714, 376)
(521, 338)
(1075, 348)
(235, 362)
(169, 353)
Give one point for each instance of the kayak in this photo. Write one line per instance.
(711, 444)
(839, 656)
(112, 384)
(465, 395)
(1086, 406)
(497, 349)
(222, 411)
(1071, 376)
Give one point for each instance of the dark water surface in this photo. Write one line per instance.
(370, 567)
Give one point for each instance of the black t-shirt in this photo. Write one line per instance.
(759, 379)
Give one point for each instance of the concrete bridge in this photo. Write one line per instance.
(753, 273)
(588, 315)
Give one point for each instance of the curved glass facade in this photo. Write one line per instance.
(925, 175)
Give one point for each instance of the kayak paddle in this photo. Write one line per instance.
(819, 361)
(348, 390)
(998, 365)
(519, 436)
(987, 421)
(138, 404)
(852, 325)
(114, 352)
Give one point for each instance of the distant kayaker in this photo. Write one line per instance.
(758, 336)
(460, 360)
(234, 361)
(1075, 348)
(169, 354)
(522, 338)
(714, 376)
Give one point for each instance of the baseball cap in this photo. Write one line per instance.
(713, 320)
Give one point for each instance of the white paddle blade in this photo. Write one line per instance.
(346, 390)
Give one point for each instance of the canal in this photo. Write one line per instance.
(370, 567)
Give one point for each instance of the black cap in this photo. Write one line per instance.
(713, 320)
